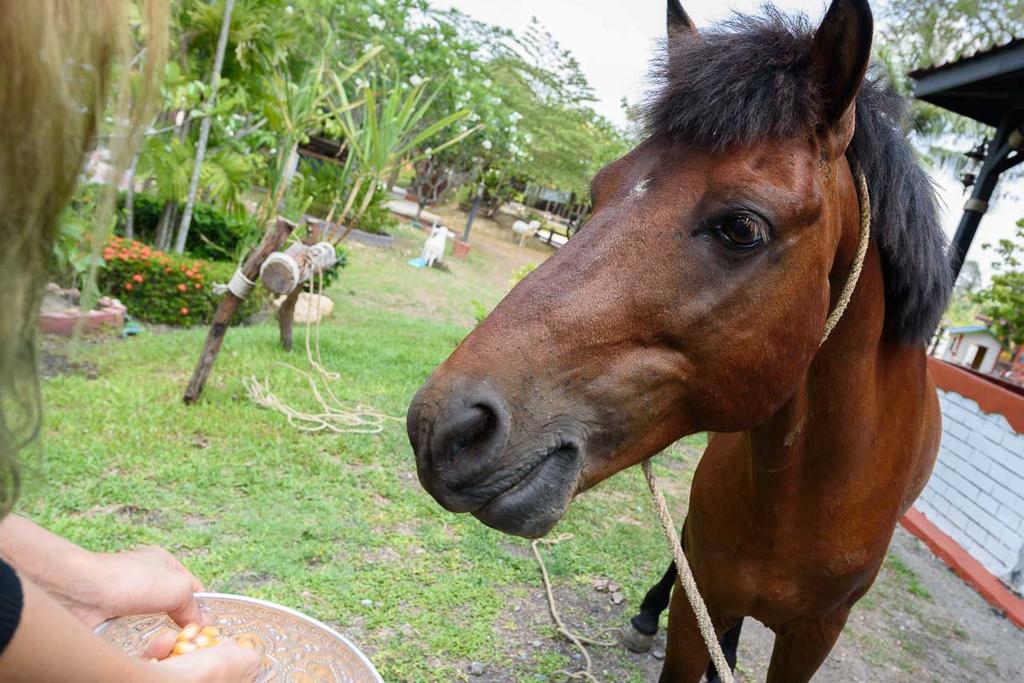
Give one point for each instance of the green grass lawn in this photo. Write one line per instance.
(336, 526)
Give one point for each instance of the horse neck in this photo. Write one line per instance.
(825, 436)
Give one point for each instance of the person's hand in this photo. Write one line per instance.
(143, 581)
(224, 663)
(97, 586)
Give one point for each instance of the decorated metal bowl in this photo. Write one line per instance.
(295, 648)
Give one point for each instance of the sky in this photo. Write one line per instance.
(614, 40)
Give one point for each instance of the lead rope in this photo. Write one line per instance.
(700, 610)
(576, 639)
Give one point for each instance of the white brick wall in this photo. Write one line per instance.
(976, 494)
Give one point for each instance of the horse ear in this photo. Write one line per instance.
(839, 59)
(678, 20)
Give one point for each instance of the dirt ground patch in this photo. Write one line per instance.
(919, 622)
(58, 356)
(531, 636)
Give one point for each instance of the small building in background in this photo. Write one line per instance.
(973, 346)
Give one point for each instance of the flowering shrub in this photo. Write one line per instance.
(166, 288)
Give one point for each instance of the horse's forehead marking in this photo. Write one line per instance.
(639, 189)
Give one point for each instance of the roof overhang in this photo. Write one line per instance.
(983, 86)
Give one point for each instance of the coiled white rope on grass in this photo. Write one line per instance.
(333, 415)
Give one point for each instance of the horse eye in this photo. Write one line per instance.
(742, 231)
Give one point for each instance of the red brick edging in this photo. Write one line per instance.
(989, 396)
(65, 324)
(965, 566)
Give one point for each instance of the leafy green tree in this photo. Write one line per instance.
(927, 32)
(532, 100)
(922, 33)
(260, 34)
(963, 308)
(526, 100)
(1002, 302)
(395, 119)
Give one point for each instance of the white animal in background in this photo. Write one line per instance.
(434, 248)
(524, 230)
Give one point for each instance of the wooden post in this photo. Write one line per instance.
(286, 318)
(283, 272)
(272, 241)
(315, 229)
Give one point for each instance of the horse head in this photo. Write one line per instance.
(695, 297)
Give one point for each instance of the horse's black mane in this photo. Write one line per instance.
(747, 79)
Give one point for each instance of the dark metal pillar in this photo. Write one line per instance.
(1007, 140)
(472, 211)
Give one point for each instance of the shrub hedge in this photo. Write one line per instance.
(169, 289)
(211, 235)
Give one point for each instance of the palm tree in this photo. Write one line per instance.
(204, 129)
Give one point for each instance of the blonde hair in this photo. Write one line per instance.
(57, 60)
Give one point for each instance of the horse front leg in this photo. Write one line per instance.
(638, 635)
(686, 655)
(730, 643)
(801, 648)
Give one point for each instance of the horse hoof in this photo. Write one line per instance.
(635, 641)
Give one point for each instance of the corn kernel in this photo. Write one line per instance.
(194, 637)
(189, 632)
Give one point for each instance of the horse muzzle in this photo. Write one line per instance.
(470, 459)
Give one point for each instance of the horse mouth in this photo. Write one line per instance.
(537, 500)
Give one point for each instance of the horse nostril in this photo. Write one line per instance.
(458, 429)
(463, 432)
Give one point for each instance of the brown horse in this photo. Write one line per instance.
(695, 300)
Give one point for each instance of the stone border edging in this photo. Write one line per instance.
(371, 239)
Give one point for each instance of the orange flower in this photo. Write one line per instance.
(182, 287)
(184, 310)
(108, 254)
(189, 274)
(182, 268)
(137, 278)
(167, 270)
(198, 286)
(128, 286)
